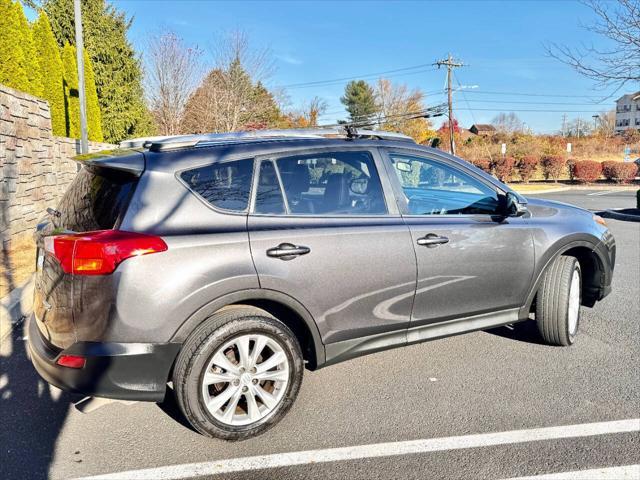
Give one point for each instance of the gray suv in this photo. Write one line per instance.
(224, 265)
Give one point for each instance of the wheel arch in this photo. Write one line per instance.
(593, 271)
(285, 308)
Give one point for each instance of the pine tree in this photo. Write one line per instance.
(359, 100)
(117, 69)
(51, 72)
(13, 72)
(30, 58)
(94, 123)
(71, 98)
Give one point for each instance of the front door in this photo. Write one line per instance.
(334, 241)
(471, 261)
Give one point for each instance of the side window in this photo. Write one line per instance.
(268, 194)
(223, 185)
(336, 183)
(434, 188)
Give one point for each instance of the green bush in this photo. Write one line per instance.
(50, 65)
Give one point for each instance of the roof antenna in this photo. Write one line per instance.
(351, 131)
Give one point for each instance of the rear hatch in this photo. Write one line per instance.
(96, 200)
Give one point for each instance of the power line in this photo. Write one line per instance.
(396, 72)
(528, 110)
(528, 94)
(531, 103)
(435, 111)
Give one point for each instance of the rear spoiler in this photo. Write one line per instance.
(125, 159)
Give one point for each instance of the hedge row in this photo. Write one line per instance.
(554, 166)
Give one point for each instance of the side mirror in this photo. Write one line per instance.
(513, 206)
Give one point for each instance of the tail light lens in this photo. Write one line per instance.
(100, 252)
(71, 361)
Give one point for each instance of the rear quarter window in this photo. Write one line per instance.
(97, 199)
(223, 185)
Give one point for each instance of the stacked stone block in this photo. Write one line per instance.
(35, 166)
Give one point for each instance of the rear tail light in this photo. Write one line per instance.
(71, 361)
(100, 252)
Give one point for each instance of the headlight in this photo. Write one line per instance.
(600, 220)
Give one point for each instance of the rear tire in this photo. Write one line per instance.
(238, 373)
(558, 302)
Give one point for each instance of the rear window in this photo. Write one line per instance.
(223, 185)
(97, 199)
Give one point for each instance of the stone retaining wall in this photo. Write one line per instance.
(35, 166)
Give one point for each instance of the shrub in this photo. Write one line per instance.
(554, 166)
(587, 170)
(483, 164)
(527, 166)
(503, 167)
(619, 171)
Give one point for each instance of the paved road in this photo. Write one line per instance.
(497, 381)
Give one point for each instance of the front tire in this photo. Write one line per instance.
(558, 302)
(238, 373)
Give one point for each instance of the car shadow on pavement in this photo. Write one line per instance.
(523, 332)
(170, 406)
(31, 413)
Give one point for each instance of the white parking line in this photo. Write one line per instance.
(597, 194)
(261, 462)
(628, 472)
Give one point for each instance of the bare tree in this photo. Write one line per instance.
(232, 96)
(397, 107)
(508, 123)
(173, 72)
(606, 123)
(618, 62)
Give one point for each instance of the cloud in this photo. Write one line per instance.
(290, 59)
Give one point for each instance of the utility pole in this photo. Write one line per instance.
(564, 124)
(84, 138)
(579, 127)
(450, 63)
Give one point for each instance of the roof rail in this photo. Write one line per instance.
(158, 144)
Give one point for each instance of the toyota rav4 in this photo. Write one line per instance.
(224, 265)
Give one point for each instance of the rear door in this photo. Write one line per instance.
(96, 200)
(325, 230)
(471, 261)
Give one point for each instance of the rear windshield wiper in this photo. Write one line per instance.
(53, 212)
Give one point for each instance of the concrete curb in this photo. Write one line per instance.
(15, 307)
(620, 216)
(546, 190)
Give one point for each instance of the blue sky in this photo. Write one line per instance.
(502, 43)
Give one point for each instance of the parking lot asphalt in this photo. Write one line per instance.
(502, 380)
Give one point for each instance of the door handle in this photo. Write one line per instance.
(287, 251)
(432, 240)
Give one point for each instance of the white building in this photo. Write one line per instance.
(628, 112)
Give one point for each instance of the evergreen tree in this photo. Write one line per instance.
(71, 98)
(359, 100)
(118, 73)
(51, 72)
(94, 124)
(13, 71)
(31, 66)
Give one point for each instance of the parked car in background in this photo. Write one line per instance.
(227, 264)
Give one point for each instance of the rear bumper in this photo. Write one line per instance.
(126, 371)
